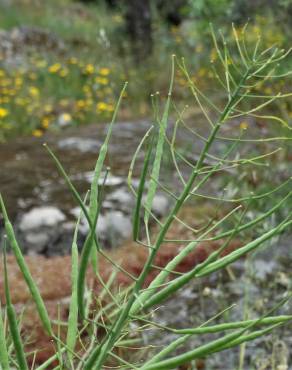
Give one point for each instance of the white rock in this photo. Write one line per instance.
(76, 211)
(160, 205)
(123, 197)
(41, 216)
(112, 227)
(82, 144)
(37, 239)
(115, 226)
(111, 180)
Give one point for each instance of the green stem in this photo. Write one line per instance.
(98, 356)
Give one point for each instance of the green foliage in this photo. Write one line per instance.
(237, 74)
(77, 84)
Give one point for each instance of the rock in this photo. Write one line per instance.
(37, 241)
(41, 216)
(282, 279)
(160, 205)
(16, 44)
(40, 231)
(111, 180)
(263, 269)
(35, 36)
(83, 145)
(75, 211)
(121, 199)
(115, 227)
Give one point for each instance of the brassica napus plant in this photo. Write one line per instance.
(238, 76)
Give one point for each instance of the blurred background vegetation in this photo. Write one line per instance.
(63, 62)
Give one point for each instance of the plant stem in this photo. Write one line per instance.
(99, 355)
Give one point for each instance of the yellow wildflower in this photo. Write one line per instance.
(101, 106)
(104, 71)
(81, 104)
(37, 133)
(3, 112)
(101, 80)
(33, 91)
(45, 122)
(89, 69)
(63, 72)
(66, 117)
(243, 125)
(18, 81)
(54, 68)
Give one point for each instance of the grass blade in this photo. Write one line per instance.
(73, 310)
(94, 210)
(41, 308)
(159, 151)
(93, 201)
(270, 320)
(233, 256)
(4, 359)
(12, 321)
(136, 215)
